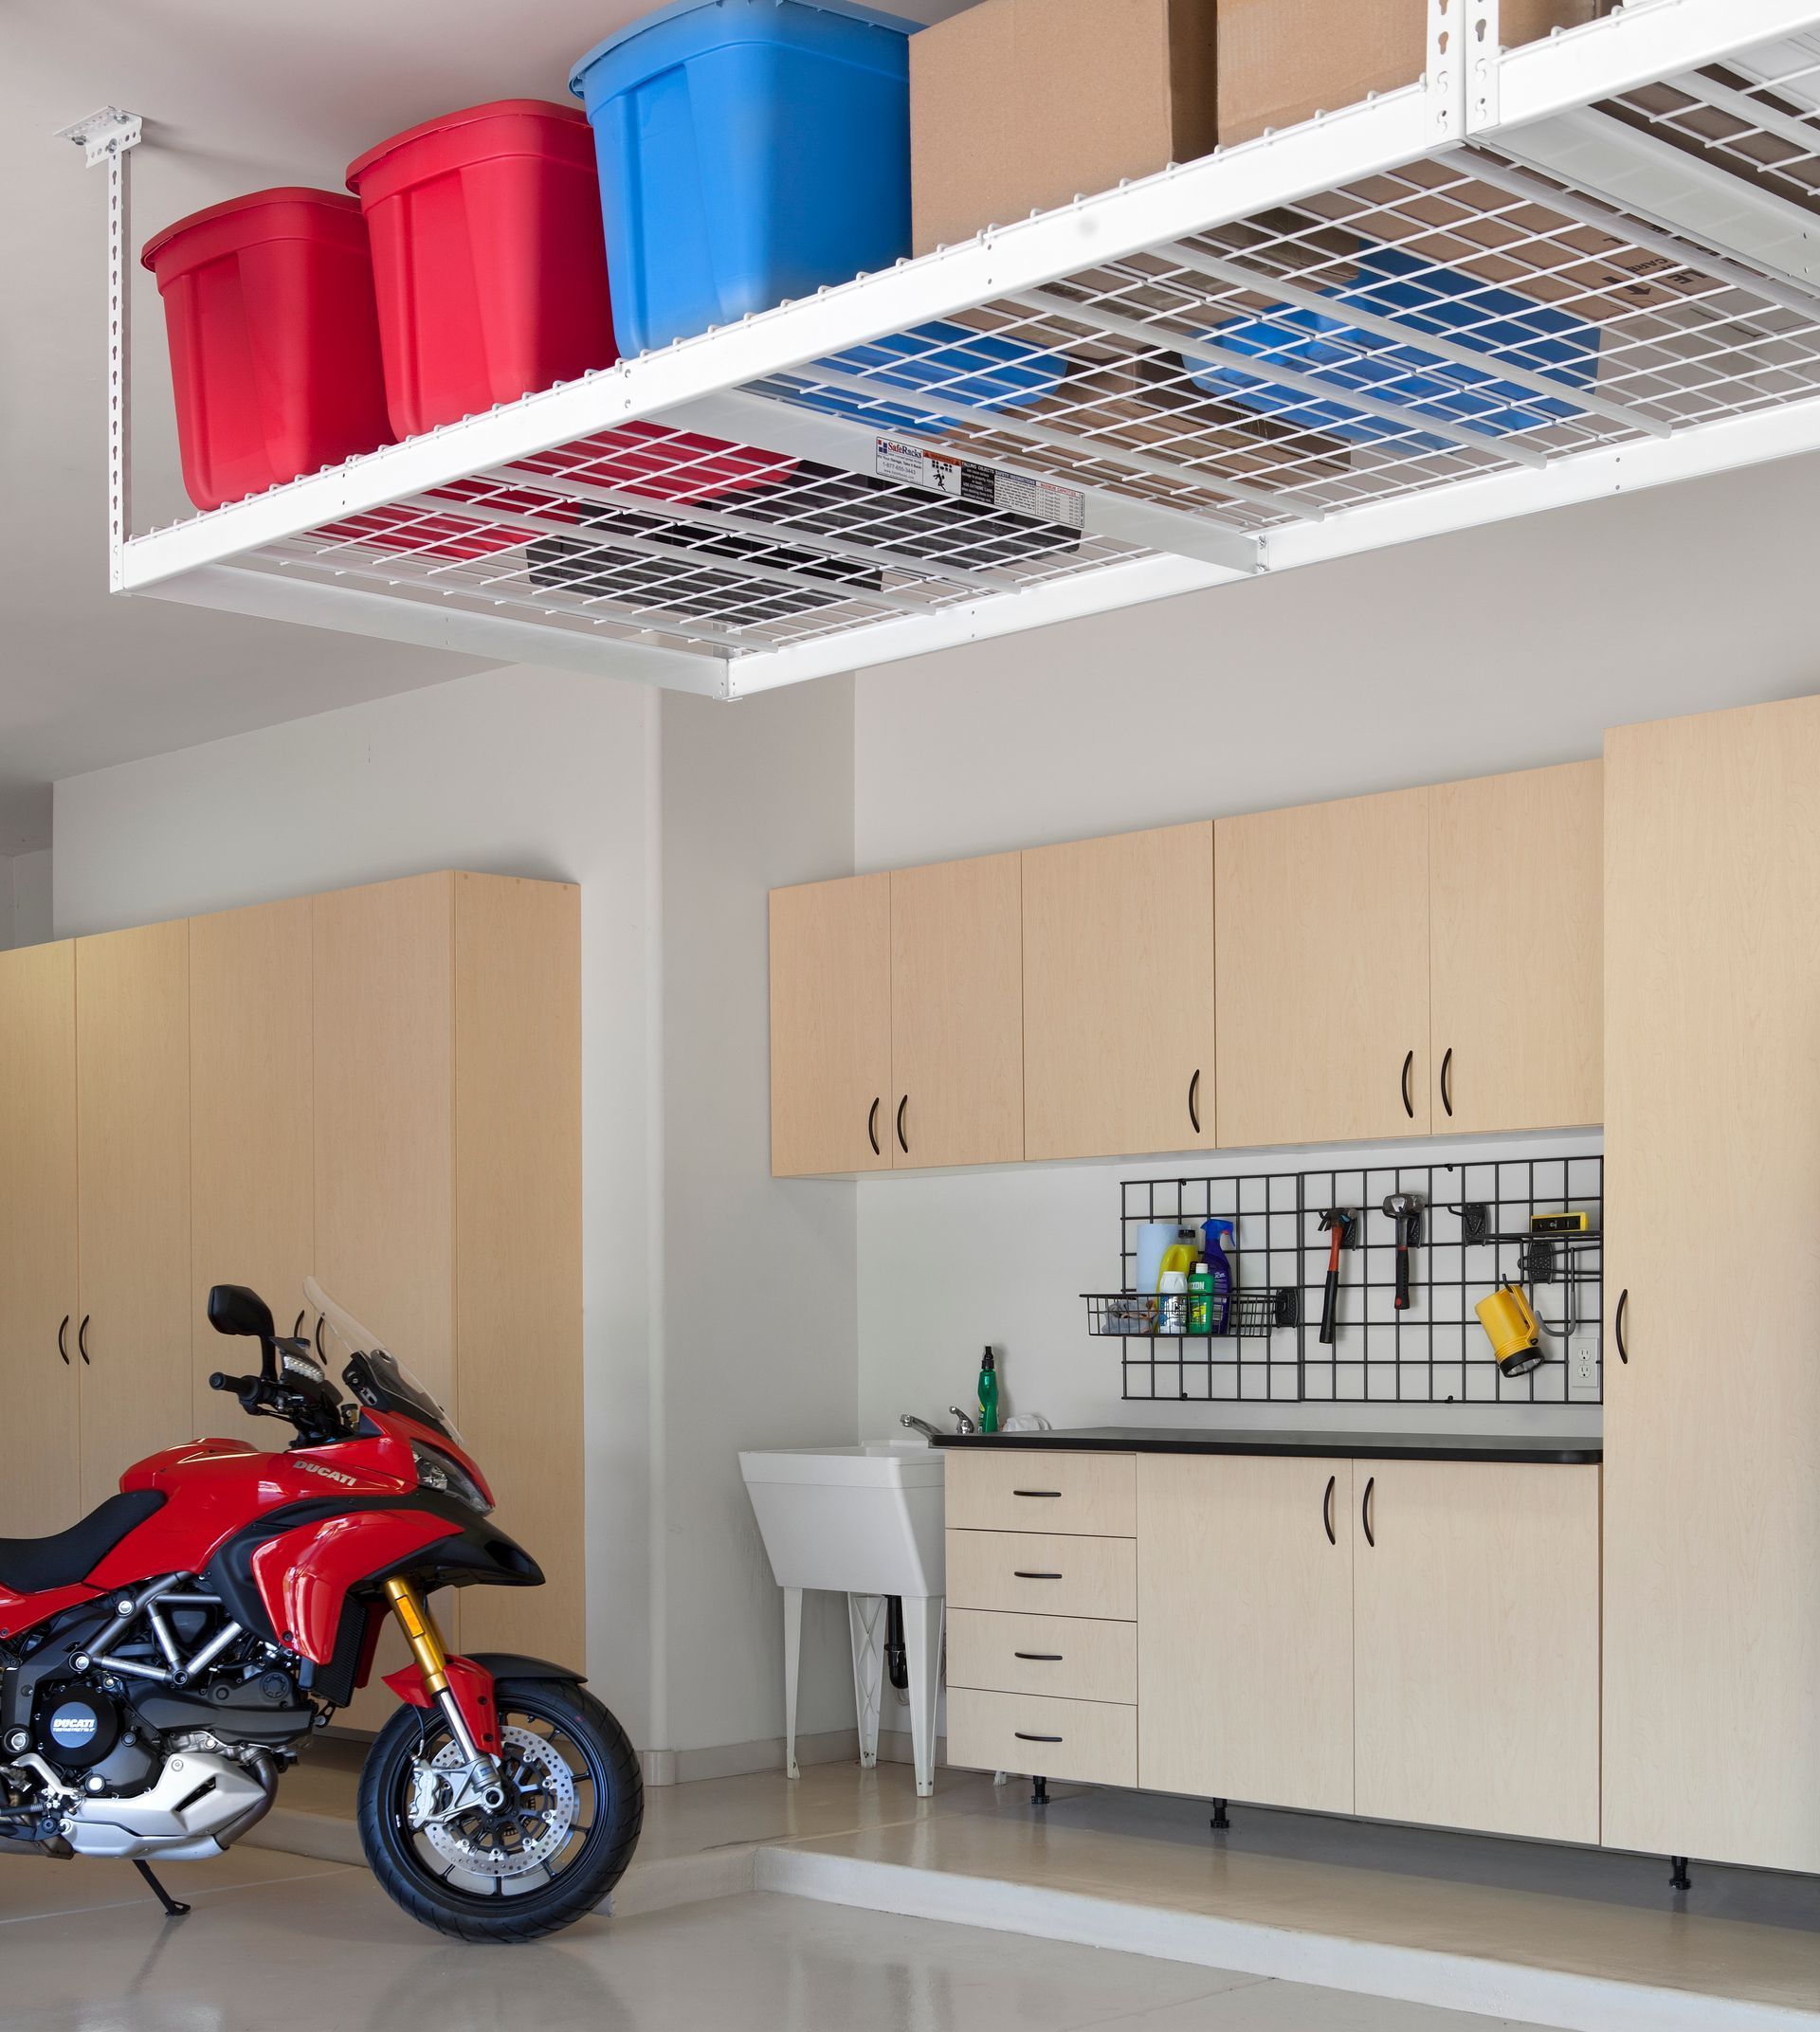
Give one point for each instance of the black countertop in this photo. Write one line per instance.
(1512, 1446)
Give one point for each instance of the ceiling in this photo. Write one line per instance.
(234, 95)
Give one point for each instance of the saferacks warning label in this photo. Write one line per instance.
(916, 465)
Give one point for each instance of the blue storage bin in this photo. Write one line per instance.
(976, 369)
(1329, 348)
(749, 151)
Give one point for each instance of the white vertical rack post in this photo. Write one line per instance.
(106, 138)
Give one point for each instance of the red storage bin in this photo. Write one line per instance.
(274, 343)
(488, 258)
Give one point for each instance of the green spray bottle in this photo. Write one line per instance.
(988, 1393)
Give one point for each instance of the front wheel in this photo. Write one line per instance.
(551, 1853)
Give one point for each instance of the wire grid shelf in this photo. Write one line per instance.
(1463, 315)
(1435, 1351)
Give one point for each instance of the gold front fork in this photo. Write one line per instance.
(421, 1634)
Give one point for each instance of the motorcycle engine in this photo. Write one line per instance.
(82, 1732)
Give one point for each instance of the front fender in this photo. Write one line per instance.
(514, 1665)
(471, 1684)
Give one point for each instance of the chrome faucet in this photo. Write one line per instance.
(922, 1426)
(963, 1423)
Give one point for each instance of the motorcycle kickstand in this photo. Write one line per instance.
(173, 1908)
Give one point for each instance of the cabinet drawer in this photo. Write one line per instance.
(1088, 1740)
(1041, 1573)
(1017, 1488)
(1070, 1657)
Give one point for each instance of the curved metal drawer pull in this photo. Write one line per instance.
(1409, 1066)
(1327, 1508)
(1019, 1573)
(1039, 1657)
(1367, 1512)
(1024, 1736)
(1036, 1492)
(872, 1128)
(1195, 1101)
(63, 1343)
(1617, 1326)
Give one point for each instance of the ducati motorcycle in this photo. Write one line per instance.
(164, 1660)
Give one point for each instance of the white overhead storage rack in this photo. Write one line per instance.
(1537, 276)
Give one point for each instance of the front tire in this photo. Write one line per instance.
(575, 1804)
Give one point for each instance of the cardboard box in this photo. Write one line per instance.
(1020, 105)
(1281, 62)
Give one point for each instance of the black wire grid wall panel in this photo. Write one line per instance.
(1475, 1235)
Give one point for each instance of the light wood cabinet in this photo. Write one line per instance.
(1029, 1573)
(252, 1218)
(1712, 1499)
(132, 1339)
(1119, 1010)
(1515, 894)
(957, 1013)
(1323, 929)
(1013, 1488)
(1476, 1646)
(1244, 1628)
(1071, 1658)
(1087, 1742)
(830, 1026)
(447, 1056)
(516, 1164)
(41, 1431)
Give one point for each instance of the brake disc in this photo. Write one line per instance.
(536, 1821)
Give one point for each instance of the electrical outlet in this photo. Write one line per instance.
(1583, 1367)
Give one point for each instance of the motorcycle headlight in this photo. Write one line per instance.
(437, 1471)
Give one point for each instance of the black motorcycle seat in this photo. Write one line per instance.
(33, 1566)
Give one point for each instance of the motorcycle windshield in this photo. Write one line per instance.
(405, 1391)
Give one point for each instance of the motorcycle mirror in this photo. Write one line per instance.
(234, 1309)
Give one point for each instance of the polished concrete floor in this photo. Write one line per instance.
(278, 1943)
(281, 1939)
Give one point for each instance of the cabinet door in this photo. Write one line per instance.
(1514, 888)
(830, 1026)
(1323, 982)
(40, 1458)
(251, 1153)
(957, 1013)
(1245, 1630)
(518, 1243)
(385, 1145)
(1118, 994)
(1476, 1646)
(1712, 1428)
(132, 1192)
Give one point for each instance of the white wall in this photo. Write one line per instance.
(24, 898)
(758, 1301)
(1506, 648)
(542, 774)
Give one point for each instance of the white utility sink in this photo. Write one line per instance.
(867, 1522)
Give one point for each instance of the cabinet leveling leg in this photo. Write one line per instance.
(1220, 1823)
(1679, 1878)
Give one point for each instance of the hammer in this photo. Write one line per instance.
(1337, 1221)
(1405, 1210)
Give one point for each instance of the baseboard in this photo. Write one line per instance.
(740, 1760)
(1497, 1989)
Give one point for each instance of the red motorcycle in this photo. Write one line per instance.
(162, 1661)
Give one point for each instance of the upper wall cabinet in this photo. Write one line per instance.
(1118, 994)
(830, 1026)
(1322, 914)
(1516, 902)
(957, 1013)
(896, 1020)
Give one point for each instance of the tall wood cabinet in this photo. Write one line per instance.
(41, 1433)
(252, 1218)
(1712, 1283)
(133, 1337)
(380, 1085)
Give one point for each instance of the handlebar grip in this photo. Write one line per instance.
(239, 1384)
